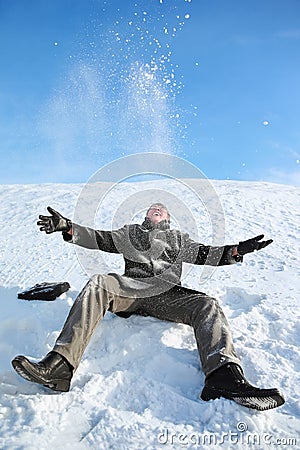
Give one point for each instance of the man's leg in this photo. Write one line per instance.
(100, 294)
(204, 314)
(56, 369)
(224, 375)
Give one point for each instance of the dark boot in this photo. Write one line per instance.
(229, 382)
(53, 371)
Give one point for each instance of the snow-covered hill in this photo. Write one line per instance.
(139, 381)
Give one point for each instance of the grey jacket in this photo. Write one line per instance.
(153, 254)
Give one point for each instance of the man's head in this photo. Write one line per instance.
(158, 212)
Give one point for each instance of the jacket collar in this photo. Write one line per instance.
(148, 225)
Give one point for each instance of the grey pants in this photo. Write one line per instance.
(179, 304)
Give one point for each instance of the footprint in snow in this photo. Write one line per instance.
(239, 300)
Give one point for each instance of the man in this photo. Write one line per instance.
(150, 286)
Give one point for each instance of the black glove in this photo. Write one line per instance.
(55, 222)
(252, 244)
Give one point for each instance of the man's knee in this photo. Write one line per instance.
(104, 281)
(212, 301)
(206, 303)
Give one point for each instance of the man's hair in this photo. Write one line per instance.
(160, 205)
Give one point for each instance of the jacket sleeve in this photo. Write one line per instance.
(107, 241)
(196, 253)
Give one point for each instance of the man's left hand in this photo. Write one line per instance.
(252, 244)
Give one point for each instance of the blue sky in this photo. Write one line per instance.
(83, 82)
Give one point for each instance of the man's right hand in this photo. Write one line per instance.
(55, 222)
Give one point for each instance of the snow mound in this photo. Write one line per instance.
(139, 381)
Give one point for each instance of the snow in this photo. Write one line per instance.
(139, 381)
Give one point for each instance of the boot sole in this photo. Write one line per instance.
(23, 367)
(263, 400)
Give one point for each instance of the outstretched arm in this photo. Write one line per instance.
(77, 234)
(196, 253)
(94, 239)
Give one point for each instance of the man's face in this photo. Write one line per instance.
(157, 213)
